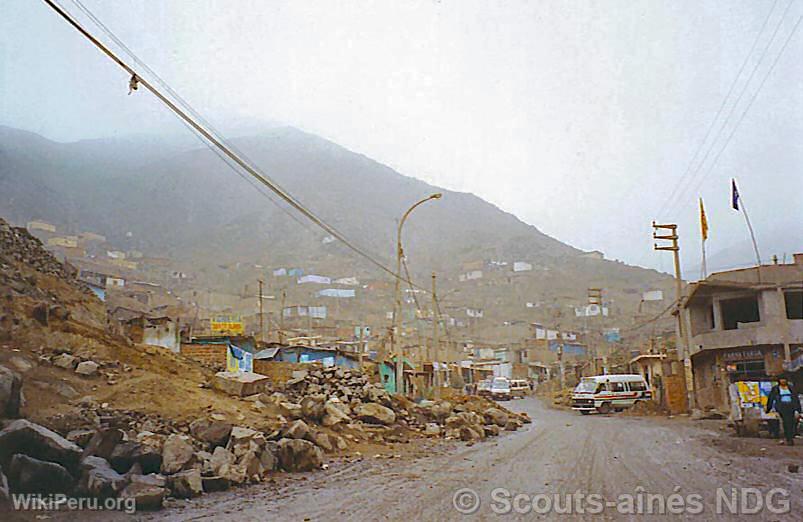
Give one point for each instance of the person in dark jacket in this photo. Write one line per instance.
(784, 400)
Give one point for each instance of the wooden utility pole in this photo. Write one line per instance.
(595, 298)
(682, 349)
(436, 347)
(281, 317)
(261, 320)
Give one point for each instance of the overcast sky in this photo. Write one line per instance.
(579, 117)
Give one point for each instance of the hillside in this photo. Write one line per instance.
(170, 201)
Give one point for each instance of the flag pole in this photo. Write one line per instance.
(703, 237)
(743, 208)
(703, 268)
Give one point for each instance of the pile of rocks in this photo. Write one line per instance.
(338, 397)
(18, 245)
(130, 455)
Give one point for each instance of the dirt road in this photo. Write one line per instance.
(560, 453)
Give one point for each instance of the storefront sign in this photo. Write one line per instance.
(743, 355)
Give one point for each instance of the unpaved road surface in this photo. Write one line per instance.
(561, 453)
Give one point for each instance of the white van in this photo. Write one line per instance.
(604, 393)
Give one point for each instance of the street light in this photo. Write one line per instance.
(397, 300)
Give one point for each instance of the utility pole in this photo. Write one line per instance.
(261, 324)
(671, 235)
(436, 347)
(595, 298)
(281, 317)
(397, 304)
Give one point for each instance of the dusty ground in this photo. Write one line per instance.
(560, 453)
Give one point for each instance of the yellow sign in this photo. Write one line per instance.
(228, 326)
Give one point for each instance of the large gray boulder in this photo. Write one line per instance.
(496, 416)
(98, 479)
(65, 361)
(5, 490)
(27, 438)
(214, 433)
(297, 430)
(186, 484)
(30, 475)
(10, 393)
(441, 410)
(126, 454)
(103, 442)
(375, 413)
(312, 407)
(335, 413)
(177, 454)
(148, 495)
(242, 440)
(299, 455)
(88, 369)
(221, 457)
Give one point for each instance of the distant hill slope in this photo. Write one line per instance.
(188, 204)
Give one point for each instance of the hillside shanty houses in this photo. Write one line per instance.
(155, 331)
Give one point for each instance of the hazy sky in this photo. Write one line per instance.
(578, 117)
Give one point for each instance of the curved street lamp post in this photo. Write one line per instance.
(397, 303)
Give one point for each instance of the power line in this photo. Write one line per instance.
(186, 106)
(750, 103)
(219, 143)
(682, 180)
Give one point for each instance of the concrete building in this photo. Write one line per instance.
(743, 325)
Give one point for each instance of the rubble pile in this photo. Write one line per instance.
(18, 245)
(105, 452)
(335, 397)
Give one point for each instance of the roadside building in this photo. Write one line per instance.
(744, 325)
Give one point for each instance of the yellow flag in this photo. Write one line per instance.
(703, 221)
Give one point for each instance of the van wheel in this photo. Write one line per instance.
(585, 412)
(617, 410)
(605, 407)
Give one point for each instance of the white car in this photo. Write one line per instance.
(604, 393)
(500, 389)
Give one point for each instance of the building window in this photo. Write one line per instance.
(747, 370)
(740, 310)
(794, 304)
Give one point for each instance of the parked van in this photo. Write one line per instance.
(500, 389)
(604, 393)
(519, 388)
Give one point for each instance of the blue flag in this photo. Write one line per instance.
(734, 195)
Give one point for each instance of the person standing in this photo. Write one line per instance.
(784, 400)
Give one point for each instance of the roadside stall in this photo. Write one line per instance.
(748, 403)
